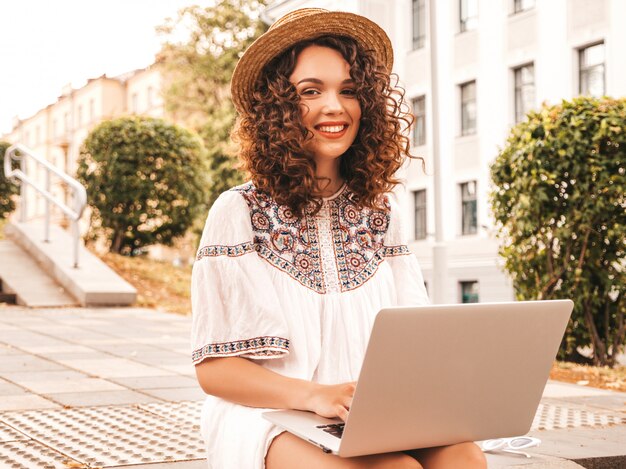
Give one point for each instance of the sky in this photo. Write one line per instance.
(45, 45)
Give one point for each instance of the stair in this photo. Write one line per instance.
(93, 283)
(26, 283)
(8, 298)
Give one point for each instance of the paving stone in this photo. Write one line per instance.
(29, 363)
(186, 370)
(100, 398)
(163, 361)
(8, 433)
(25, 402)
(10, 389)
(60, 347)
(29, 454)
(195, 464)
(74, 385)
(110, 367)
(6, 349)
(58, 357)
(156, 382)
(180, 394)
(19, 377)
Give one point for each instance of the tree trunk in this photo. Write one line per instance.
(116, 244)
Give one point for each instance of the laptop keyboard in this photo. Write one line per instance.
(335, 429)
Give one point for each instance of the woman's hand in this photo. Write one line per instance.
(332, 401)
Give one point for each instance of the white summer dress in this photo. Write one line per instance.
(296, 295)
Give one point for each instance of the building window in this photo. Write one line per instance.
(419, 23)
(419, 126)
(66, 122)
(469, 217)
(469, 15)
(524, 91)
(150, 97)
(134, 103)
(92, 110)
(522, 5)
(419, 198)
(37, 135)
(469, 291)
(591, 61)
(80, 116)
(468, 108)
(55, 128)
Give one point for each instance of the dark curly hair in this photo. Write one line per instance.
(271, 138)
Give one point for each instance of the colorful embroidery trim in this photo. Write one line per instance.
(292, 244)
(259, 346)
(393, 251)
(230, 251)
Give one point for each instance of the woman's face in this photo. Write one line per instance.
(330, 109)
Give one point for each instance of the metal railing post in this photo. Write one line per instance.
(47, 234)
(79, 194)
(23, 192)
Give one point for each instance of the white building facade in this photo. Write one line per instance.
(496, 60)
(57, 131)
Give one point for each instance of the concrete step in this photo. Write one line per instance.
(7, 298)
(24, 281)
(92, 283)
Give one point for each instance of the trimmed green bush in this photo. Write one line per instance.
(145, 181)
(559, 201)
(8, 189)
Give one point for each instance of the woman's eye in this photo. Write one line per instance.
(310, 92)
(349, 92)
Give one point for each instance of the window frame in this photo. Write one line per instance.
(520, 7)
(584, 70)
(462, 291)
(420, 214)
(465, 128)
(469, 204)
(519, 88)
(418, 105)
(418, 23)
(467, 22)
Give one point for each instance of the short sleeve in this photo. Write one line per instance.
(407, 274)
(235, 308)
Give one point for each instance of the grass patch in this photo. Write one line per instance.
(594, 376)
(3, 221)
(159, 284)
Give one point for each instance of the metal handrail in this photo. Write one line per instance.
(18, 152)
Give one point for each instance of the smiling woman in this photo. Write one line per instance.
(294, 265)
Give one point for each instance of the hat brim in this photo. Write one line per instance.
(277, 39)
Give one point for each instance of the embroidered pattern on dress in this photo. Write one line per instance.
(258, 346)
(339, 249)
(230, 251)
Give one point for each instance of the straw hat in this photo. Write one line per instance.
(299, 25)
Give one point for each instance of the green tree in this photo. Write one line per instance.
(197, 74)
(8, 189)
(145, 181)
(559, 201)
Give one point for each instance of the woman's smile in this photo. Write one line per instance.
(332, 129)
(329, 107)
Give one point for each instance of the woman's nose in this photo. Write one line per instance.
(332, 103)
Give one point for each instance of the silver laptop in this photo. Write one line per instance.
(445, 374)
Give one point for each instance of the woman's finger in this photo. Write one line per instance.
(343, 413)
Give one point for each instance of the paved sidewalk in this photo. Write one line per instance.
(114, 387)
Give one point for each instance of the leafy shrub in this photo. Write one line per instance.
(145, 181)
(560, 206)
(8, 188)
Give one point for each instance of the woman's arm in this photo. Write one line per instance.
(244, 382)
